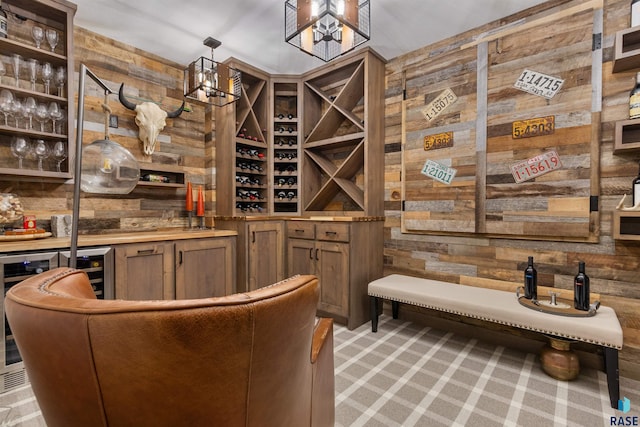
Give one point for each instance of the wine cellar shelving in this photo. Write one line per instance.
(243, 165)
(343, 150)
(35, 145)
(304, 145)
(286, 143)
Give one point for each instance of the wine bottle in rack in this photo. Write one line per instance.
(530, 281)
(634, 99)
(4, 24)
(581, 289)
(635, 188)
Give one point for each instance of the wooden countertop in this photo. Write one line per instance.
(112, 239)
(300, 218)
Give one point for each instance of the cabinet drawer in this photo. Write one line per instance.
(301, 230)
(333, 232)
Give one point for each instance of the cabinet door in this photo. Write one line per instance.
(300, 257)
(266, 253)
(144, 271)
(205, 267)
(332, 268)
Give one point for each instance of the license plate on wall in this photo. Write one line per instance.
(533, 127)
(536, 166)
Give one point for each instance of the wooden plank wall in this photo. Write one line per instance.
(181, 143)
(612, 265)
(483, 197)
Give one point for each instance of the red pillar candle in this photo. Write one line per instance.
(189, 204)
(200, 207)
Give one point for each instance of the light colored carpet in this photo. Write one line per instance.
(410, 375)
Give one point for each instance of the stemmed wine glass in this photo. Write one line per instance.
(52, 38)
(38, 35)
(32, 65)
(42, 114)
(3, 70)
(6, 99)
(17, 59)
(20, 149)
(29, 109)
(41, 150)
(16, 110)
(54, 114)
(59, 154)
(60, 77)
(47, 73)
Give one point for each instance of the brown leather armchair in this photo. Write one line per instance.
(253, 359)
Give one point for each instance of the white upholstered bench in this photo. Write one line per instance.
(502, 307)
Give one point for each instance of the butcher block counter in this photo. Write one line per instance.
(112, 239)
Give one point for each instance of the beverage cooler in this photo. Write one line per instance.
(97, 262)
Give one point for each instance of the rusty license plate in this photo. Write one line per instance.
(533, 127)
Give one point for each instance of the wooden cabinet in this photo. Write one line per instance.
(260, 250)
(242, 160)
(345, 256)
(52, 15)
(205, 268)
(190, 268)
(343, 144)
(144, 271)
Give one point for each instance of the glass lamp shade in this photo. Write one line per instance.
(108, 168)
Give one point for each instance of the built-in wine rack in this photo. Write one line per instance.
(286, 143)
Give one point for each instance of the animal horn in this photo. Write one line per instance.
(174, 114)
(124, 101)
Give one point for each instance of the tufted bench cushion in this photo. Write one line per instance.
(502, 307)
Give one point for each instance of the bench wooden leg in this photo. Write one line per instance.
(374, 303)
(395, 306)
(613, 375)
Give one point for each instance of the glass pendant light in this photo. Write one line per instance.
(108, 168)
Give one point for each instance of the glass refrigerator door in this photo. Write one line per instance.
(14, 269)
(98, 264)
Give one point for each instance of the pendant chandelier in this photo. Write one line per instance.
(326, 28)
(211, 82)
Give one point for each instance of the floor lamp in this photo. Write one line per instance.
(102, 167)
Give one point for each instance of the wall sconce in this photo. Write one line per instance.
(211, 82)
(327, 28)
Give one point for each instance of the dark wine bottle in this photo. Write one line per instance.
(4, 24)
(635, 188)
(581, 289)
(634, 100)
(530, 281)
(635, 13)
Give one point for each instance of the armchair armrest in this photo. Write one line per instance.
(323, 383)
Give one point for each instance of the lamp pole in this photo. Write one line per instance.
(84, 71)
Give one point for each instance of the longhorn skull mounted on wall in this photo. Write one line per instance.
(150, 120)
